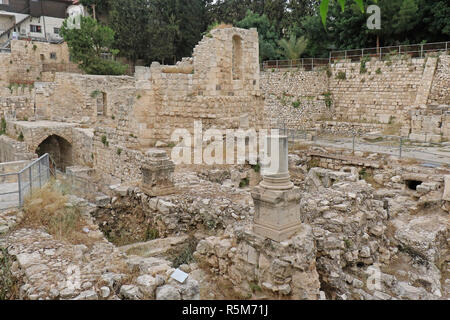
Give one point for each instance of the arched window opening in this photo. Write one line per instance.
(237, 58)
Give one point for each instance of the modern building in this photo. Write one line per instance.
(39, 20)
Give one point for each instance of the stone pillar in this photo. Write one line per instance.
(277, 208)
(157, 174)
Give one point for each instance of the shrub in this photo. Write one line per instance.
(296, 104)
(20, 137)
(341, 75)
(244, 183)
(328, 99)
(119, 151)
(363, 68)
(2, 126)
(378, 71)
(105, 141)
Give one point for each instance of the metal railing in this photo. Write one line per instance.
(308, 64)
(33, 176)
(395, 145)
(413, 50)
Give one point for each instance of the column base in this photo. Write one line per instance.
(278, 235)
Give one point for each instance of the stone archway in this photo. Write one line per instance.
(59, 149)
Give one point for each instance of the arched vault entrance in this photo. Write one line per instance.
(59, 149)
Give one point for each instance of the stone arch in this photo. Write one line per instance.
(237, 58)
(59, 148)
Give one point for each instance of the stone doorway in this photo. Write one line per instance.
(59, 149)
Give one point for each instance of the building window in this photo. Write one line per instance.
(4, 2)
(53, 55)
(56, 30)
(35, 28)
(237, 58)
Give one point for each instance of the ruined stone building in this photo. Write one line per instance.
(315, 229)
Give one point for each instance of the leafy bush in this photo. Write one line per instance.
(341, 75)
(87, 45)
(2, 126)
(363, 68)
(105, 141)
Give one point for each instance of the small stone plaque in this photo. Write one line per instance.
(179, 276)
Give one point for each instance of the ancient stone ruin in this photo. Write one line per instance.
(354, 205)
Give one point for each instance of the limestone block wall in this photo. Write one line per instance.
(33, 135)
(440, 89)
(13, 150)
(218, 86)
(86, 99)
(294, 98)
(83, 146)
(430, 124)
(25, 62)
(381, 95)
(113, 160)
(16, 102)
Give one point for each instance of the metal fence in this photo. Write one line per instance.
(308, 64)
(32, 177)
(413, 50)
(398, 146)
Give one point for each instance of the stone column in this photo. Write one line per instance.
(157, 174)
(277, 208)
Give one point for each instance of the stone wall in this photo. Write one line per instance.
(295, 99)
(17, 102)
(440, 90)
(381, 94)
(365, 96)
(13, 150)
(26, 61)
(86, 99)
(218, 86)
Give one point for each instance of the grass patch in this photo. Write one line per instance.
(186, 255)
(9, 285)
(255, 287)
(313, 163)
(244, 183)
(49, 208)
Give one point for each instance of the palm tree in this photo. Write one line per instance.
(293, 48)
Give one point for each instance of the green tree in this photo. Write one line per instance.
(293, 48)
(266, 31)
(407, 17)
(324, 7)
(89, 43)
(130, 21)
